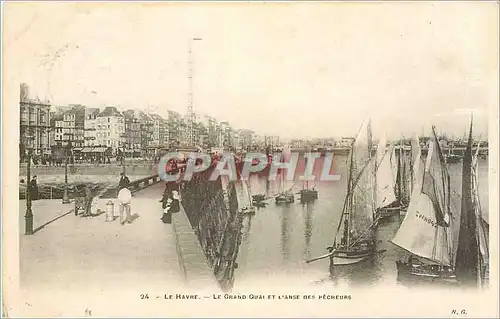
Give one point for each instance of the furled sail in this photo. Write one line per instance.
(405, 177)
(420, 232)
(385, 181)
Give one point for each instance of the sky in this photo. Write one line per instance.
(298, 70)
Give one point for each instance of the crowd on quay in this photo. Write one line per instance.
(49, 160)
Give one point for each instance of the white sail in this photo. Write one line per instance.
(394, 165)
(363, 191)
(385, 180)
(420, 232)
(244, 194)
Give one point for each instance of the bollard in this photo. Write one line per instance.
(110, 211)
(122, 210)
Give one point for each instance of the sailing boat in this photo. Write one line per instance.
(426, 230)
(285, 196)
(403, 178)
(472, 251)
(482, 227)
(386, 201)
(307, 194)
(357, 240)
(451, 157)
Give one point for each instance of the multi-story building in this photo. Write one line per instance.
(132, 133)
(174, 126)
(160, 133)
(34, 124)
(225, 134)
(57, 129)
(79, 132)
(146, 130)
(247, 139)
(68, 127)
(207, 128)
(90, 133)
(236, 140)
(110, 129)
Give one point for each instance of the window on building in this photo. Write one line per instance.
(109, 120)
(108, 133)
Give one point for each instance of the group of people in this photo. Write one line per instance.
(170, 199)
(170, 202)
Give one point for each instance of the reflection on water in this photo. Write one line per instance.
(307, 211)
(280, 238)
(285, 242)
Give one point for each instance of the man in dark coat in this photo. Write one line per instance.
(124, 182)
(33, 188)
(89, 196)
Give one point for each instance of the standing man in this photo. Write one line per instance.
(33, 188)
(124, 182)
(125, 198)
(89, 196)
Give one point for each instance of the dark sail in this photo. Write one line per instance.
(467, 252)
(436, 182)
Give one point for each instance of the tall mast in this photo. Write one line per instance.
(348, 209)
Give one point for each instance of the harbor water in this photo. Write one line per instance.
(279, 239)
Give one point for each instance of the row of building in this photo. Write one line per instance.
(45, 128)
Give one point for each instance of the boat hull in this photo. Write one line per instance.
(425, 273)
(349, 258)
(386, 213)
(307, 195)
(284, 199)
(359, 253)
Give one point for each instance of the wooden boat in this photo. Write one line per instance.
(357, 239)
(284, 196)
(425, 233)
(427, 230)
(404, 169)
(472, 259)
(386, 201)
(452, 158)
(258, 199)
(307, 194)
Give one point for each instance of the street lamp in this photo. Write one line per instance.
(65, 199)
(123, 157)
(29, 213)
